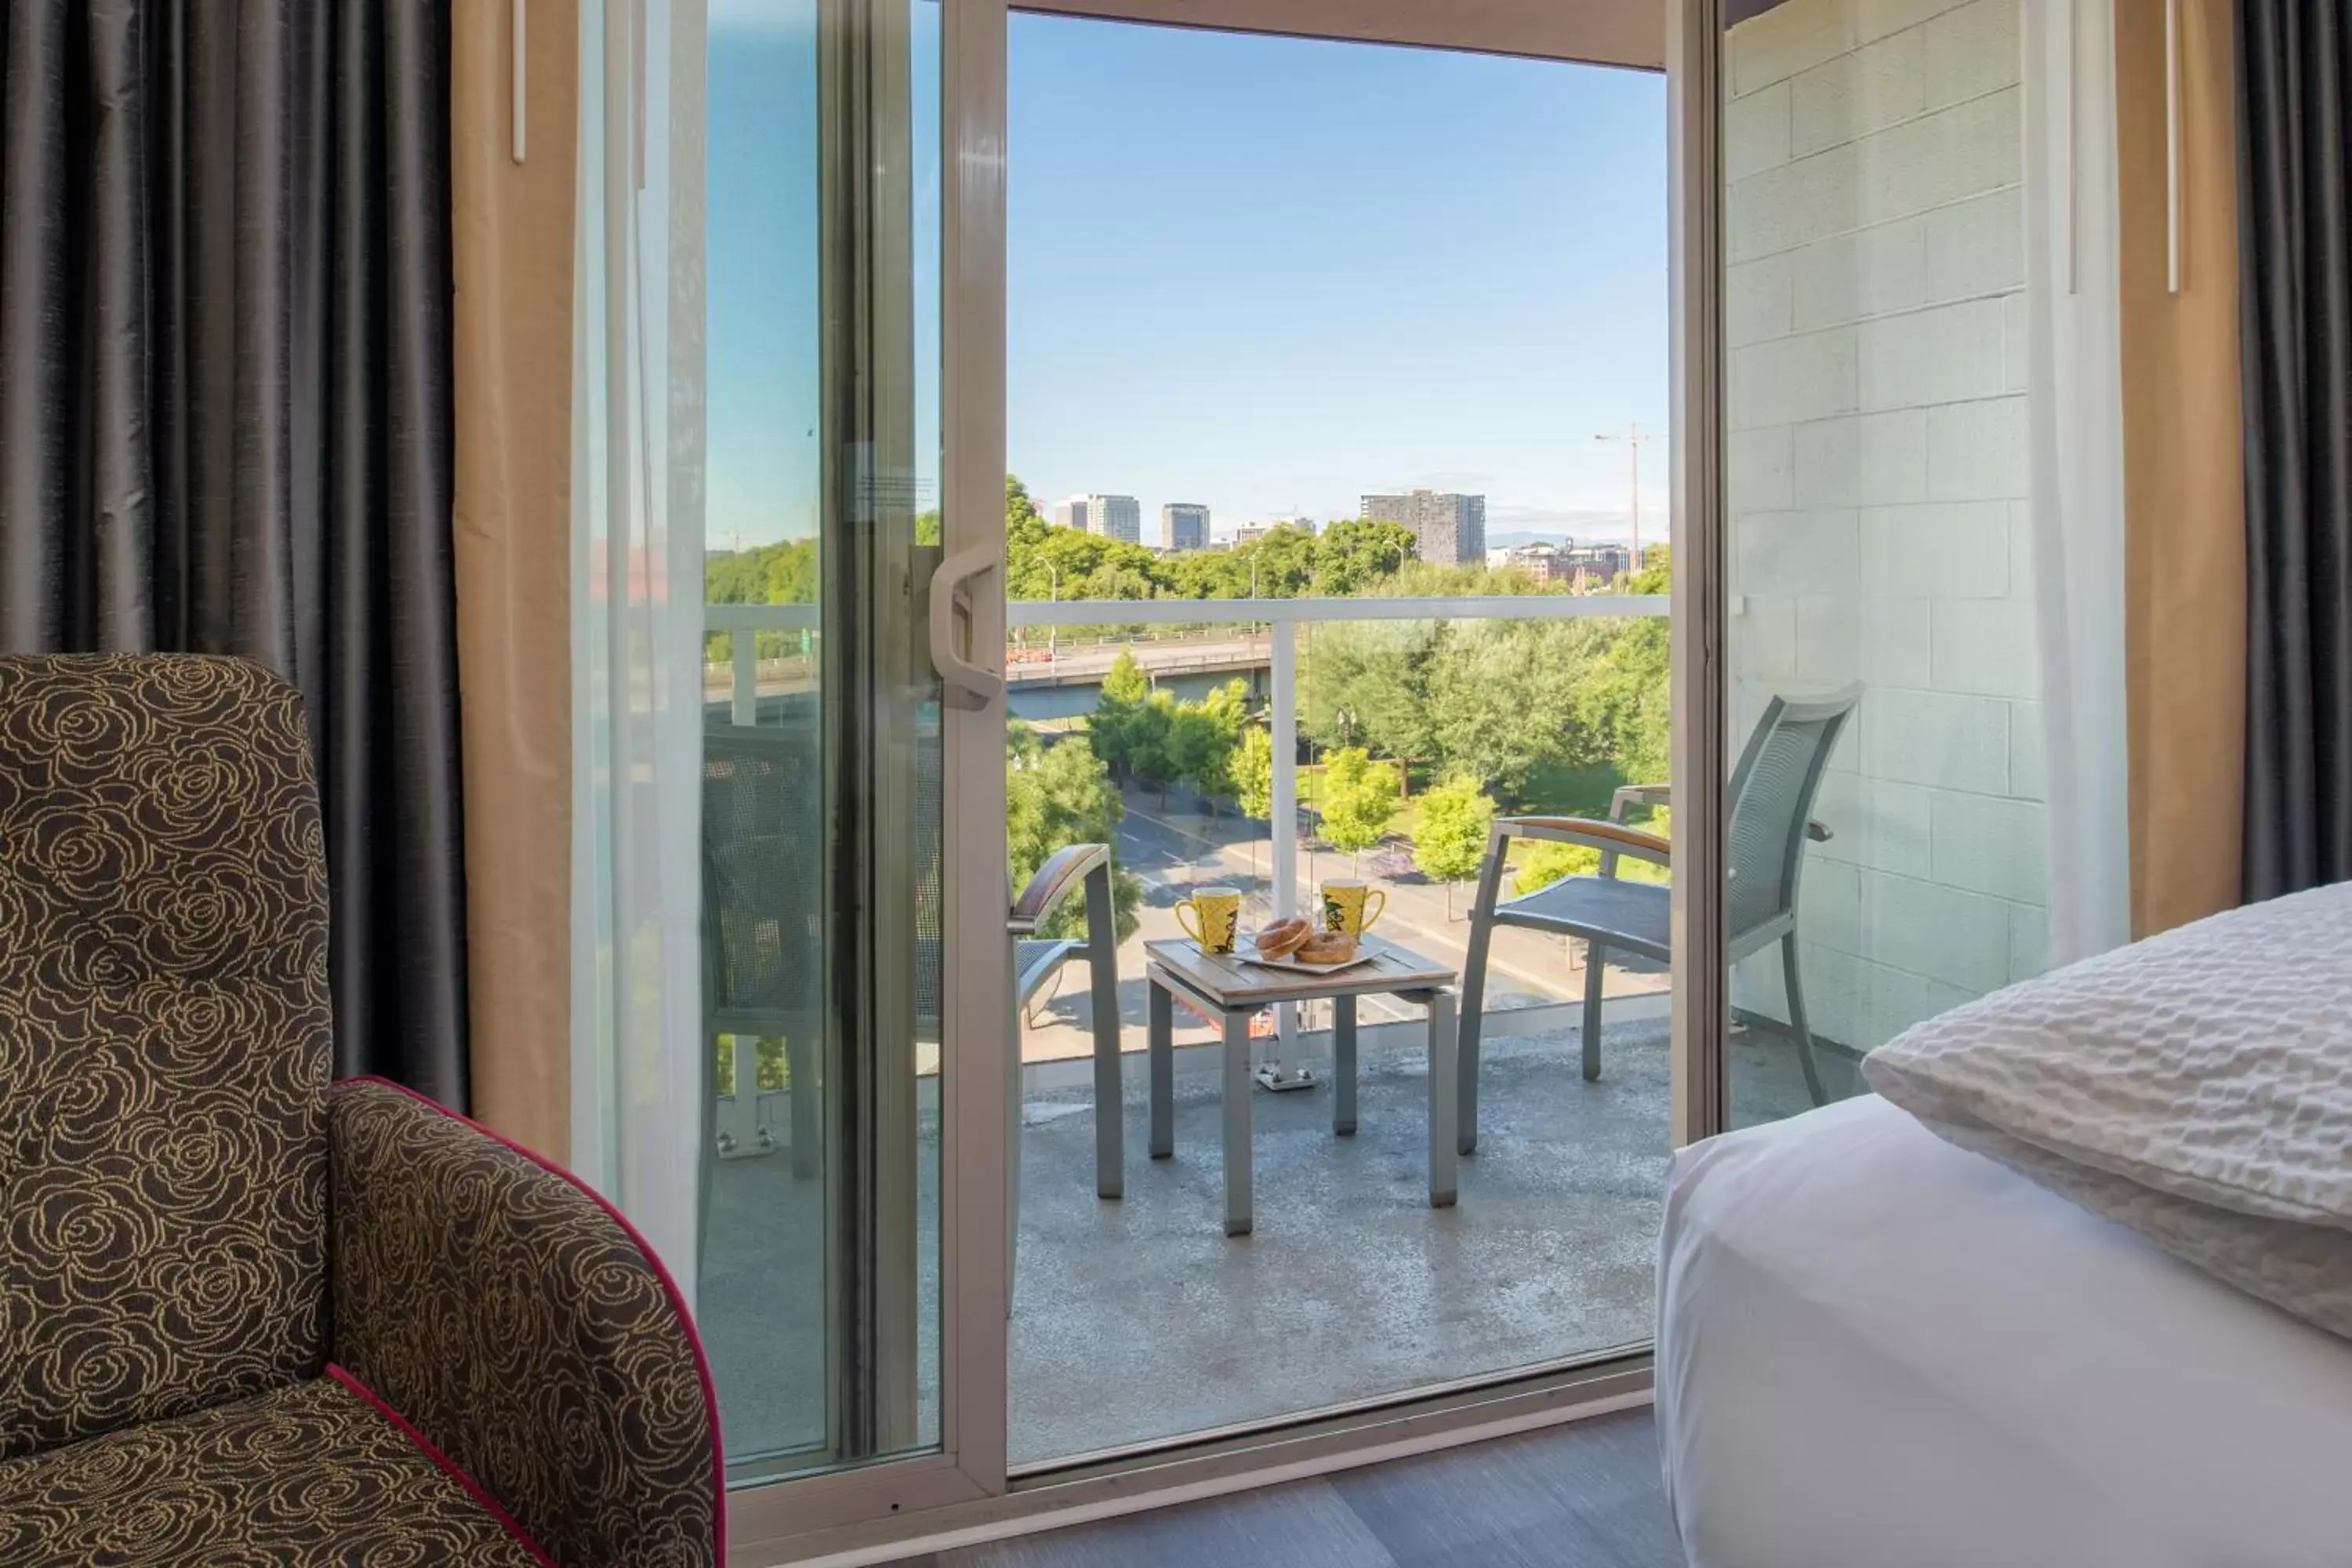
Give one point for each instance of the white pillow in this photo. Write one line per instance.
(2196, 1087)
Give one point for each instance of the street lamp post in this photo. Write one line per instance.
(1053, 633)
(1634, 435)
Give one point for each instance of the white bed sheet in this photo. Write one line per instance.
(1876, 1348)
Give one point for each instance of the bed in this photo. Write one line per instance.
(1877, 1349)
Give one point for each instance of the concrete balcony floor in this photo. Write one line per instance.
(1138, 1321)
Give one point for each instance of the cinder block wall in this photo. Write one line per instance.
(1877, 487)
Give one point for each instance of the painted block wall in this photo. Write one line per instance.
(1879, 523)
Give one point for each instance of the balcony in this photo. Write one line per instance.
(1138, 1319)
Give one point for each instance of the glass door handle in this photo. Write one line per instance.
(978, 685)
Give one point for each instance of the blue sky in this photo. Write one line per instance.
(1262, 273)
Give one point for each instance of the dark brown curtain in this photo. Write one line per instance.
(2295, 292)
(225, 417)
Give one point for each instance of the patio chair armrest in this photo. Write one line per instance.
(1064, 873)
(1609, 837)
(513, 1318)
(1628, 796)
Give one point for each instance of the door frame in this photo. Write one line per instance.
(976, 1021)
(962, 1491)
(1699, 750)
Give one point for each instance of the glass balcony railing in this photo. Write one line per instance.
(1384, 731)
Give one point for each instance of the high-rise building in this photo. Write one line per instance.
(1449, 529)
(1185, 525)
(1113, 517)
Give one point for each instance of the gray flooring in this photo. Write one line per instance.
(1585, 1495)
(1140, 1320)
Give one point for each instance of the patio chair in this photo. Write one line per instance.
(1771, 803)
(762, 932)
(256, 1317)
(1036, 959)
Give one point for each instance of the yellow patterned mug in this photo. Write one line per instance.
(1350, 907)
(1219, 911)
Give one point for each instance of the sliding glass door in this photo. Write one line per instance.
(824, 838)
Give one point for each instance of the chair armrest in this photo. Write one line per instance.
(1628, 796)
(1064, 873)
(514, 1319)
(1609, 837)
(1662, 795)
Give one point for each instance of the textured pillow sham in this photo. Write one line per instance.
(2196, 1087)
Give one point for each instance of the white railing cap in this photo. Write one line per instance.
(1241, 612)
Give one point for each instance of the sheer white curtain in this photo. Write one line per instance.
(637, 1102)
(2077, 467)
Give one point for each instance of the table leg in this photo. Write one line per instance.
(1237, 1122)
(1444, 1155)
(1343, 1067)
(1162, 1051)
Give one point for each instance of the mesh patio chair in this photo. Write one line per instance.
(763, 931)
(1037, 959)
(762, 934)
(1771, 799)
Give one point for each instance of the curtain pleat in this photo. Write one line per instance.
(2296, 270)
(226, 418)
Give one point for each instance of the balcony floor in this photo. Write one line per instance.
(1139, 1320)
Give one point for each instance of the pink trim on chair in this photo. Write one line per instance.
(455, 1471)
(661, 1272)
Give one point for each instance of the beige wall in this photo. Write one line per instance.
(2185, 579)
(513, 349)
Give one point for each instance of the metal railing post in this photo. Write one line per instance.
(1283, 1071)
(745, 646)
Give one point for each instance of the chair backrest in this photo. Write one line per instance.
(762, 877)
(1773, 792)
(165, 1041)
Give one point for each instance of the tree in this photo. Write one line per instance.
(1201, 738)
(1356, 801)
(1126, 682)
(1118, 717)
(1547, 861)
(1057, 795)
(1355, 552)
(1254, 773)
(1147, 735)
(1449, 839)
(1199, 751)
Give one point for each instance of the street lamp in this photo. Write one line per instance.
(1054, 632)
(1634, 435)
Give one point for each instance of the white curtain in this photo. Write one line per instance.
(638, 1101)
(2077, 467)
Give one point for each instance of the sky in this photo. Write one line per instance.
(1266, 274)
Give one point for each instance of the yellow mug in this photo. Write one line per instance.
(1350, 907)
(1219, 911)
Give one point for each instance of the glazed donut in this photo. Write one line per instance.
(1328, 947)
(1284, 938)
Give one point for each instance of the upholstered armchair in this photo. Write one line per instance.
(246, 1315)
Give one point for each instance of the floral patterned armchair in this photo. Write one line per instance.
(246, 1315)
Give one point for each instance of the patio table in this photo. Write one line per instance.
(1231, 989)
